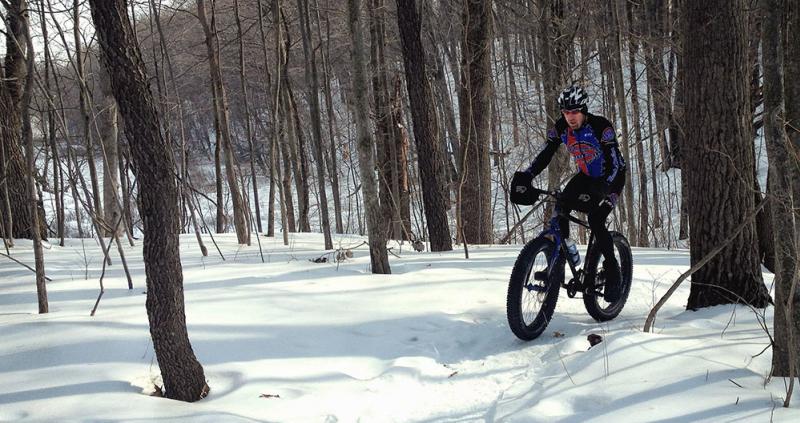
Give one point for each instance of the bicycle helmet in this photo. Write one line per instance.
(573, 98)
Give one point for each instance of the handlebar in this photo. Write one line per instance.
(555, 194)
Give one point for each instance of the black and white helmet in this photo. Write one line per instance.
(573, 98)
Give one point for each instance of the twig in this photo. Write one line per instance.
(102, 288)
(651, 317)
(23, 264)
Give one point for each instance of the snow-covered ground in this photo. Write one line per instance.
(295, 341)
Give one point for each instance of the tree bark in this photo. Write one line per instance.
(718, 161)
(14, 193)
(619, 86)
(84, 97)
(475, 118)
(644, 203)
(27, 135)
(247, 116)
(240, 220)
(377, 241)
(312, 81)
(183, 375)
(785, 357)
(429, 150)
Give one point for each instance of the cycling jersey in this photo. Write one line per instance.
(593, 146)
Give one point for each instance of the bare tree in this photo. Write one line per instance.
(366, 162)
(429, 150)
(223, 122)
(312, 80)
(183, 375)
(475, 117)
(783, 169)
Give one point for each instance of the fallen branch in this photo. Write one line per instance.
(23, 264)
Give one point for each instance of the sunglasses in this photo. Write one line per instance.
(570, 112)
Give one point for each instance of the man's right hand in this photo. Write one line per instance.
(520, 189)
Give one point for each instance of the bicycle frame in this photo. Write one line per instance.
(553, 232)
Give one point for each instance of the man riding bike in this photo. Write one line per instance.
(594, 190)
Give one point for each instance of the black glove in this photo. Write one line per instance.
(520, 189)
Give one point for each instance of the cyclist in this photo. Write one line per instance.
(594, 190)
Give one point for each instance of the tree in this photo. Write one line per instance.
(783, 171)
(316, 125)
(475, 116)
(718, 160)
(366, 162)
(27, 135)
(183, 375)
(423, 115)
(222, 120)
(14, 193)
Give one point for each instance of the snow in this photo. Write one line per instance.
(295, 341)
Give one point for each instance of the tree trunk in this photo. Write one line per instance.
(333, 162)
(58, 175)
(399, 146)
(27, 135)
(309, 52)
(644, 203)
(475, 117)
(555, 74)
(718, 161)
(656, 17)
(429, 151)
(240, 220)
(619, 86)
(14, 193)
(383, 118)
(183, 375)
(377, 241)
(107, 123)
(84, 97)
(785, 358)
(247, 116)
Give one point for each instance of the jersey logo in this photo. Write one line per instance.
(608, 134)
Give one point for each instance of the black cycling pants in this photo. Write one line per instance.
(584, 193)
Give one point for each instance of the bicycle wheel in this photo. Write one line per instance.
(596, 305)
(532, 296)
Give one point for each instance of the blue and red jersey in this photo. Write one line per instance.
(593, 146)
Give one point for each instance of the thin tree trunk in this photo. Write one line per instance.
(644, 203)
(275, 122)
(782, 160)
(619, 85)
(377, 241)
(316, 125)
(241, 223)
(333, 165)
(182, 374)
(58, 175)
(248, 119)
(27, 135)
(84, 109)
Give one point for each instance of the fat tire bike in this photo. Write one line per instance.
(538, 276)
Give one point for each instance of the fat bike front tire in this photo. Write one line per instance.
(532, 290)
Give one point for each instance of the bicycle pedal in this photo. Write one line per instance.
(540, 275)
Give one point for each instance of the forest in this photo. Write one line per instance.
(157, 127)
